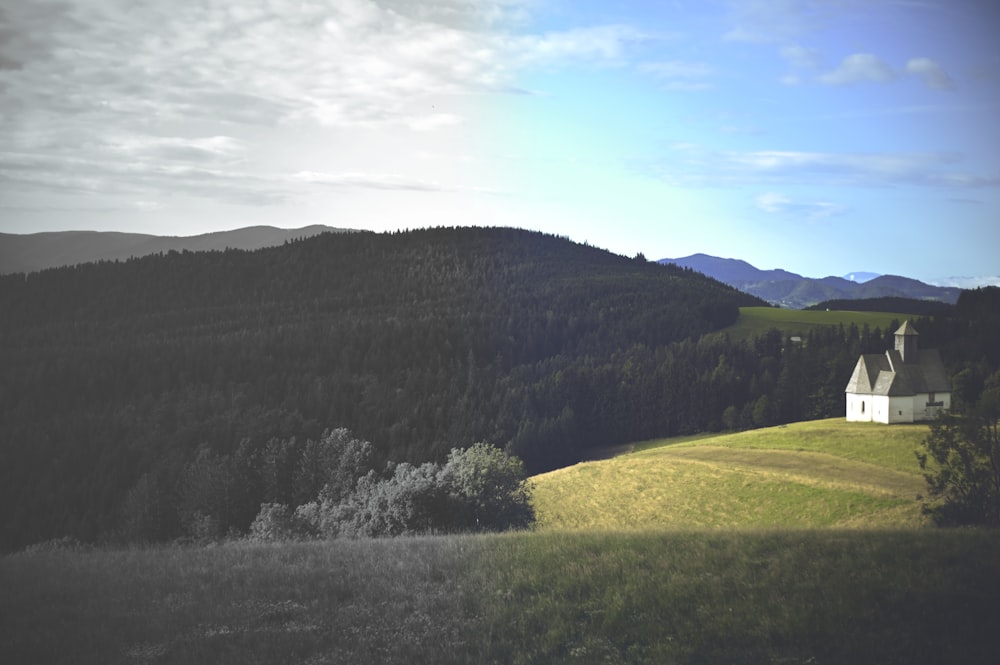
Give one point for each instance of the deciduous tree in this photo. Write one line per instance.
(961, 462)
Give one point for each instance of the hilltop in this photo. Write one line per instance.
(818, 474)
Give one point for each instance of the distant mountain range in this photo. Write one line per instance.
(787, 289)
(38, 251)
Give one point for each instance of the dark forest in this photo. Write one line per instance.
(123, 380)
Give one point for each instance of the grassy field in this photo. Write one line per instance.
(798, 544)
(656, 597)
(826, 473)
(756, 320)
(389, 601)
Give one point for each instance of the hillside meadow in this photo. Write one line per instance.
(783, 545)
(817, 474)
(754, 321)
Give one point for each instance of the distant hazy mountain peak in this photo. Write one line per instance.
(730, 270)
(787, 289)
(37, 251)
(861, 277)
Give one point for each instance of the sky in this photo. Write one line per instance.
(818, 136)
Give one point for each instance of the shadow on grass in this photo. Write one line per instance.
(643, 597)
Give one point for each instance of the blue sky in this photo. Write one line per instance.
(822, 137)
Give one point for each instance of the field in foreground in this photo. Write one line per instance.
(818, 474)
(641, 597)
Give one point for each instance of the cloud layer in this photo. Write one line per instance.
(693, 165)
(137, 96)
(778, 203)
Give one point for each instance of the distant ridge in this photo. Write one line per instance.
(787, 289)
(38, 251)
(730, 270)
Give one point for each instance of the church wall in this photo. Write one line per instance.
(928, 407)
(900, 409)
(859, 408)
(880, 409)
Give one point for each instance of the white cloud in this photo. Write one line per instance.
(107, 173)
(680, 74)
(350, 63)
(137, 176)
(170, 148)
(855, 168)
(772, 202)
(801, 57)
(148, 206)
(367, 181)
(601, 42)
(141, 97)
(931, 73)
(777, 203)
(691, 165)
(859, 68)
(868, 68)
(780, 21)
(466, 14)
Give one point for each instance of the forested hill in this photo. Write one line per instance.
(418, 341)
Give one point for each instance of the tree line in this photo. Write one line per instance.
(327, 487)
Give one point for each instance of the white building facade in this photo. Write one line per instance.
(903, 385)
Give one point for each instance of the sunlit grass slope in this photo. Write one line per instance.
(756, 320)
(825, 473)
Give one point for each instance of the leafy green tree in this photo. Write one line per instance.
(961, 462)
(489, 488)
(277, 522)
(340, 460)
(478, 489)
(411, 501)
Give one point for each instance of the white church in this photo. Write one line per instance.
(905, 384)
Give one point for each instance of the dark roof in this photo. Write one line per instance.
(865, 373)
(886, 374)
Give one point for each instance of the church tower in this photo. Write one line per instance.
(906, 342)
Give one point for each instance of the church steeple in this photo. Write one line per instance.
(906, 342)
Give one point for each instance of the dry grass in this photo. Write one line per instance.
(808, 475)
